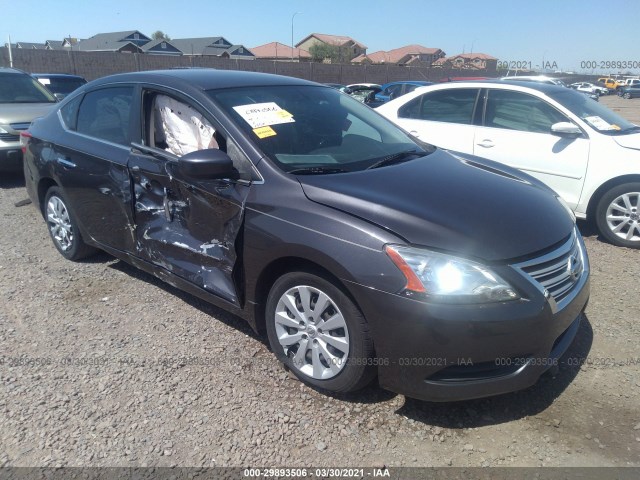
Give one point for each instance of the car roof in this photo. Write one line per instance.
(205, 78)
(419, 82)
(542, 87)
(12, 71)
(55, 75)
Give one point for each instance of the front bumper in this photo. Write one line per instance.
(446, 352)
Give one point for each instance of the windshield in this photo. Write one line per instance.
(313, 129)
(21, 88)
(599, 117)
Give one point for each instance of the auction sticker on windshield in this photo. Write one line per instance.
(263, 114)
(600, 124)
(264, 132)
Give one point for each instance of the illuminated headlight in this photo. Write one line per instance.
(567, 208)
(446, 278)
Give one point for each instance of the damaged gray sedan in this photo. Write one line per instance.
(359, 250)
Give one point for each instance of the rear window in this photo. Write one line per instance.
(22, 88)
(63, 85)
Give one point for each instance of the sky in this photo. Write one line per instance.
(568, 35)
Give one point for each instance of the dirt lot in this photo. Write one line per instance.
(105, 366)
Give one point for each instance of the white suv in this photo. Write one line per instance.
(585, 152)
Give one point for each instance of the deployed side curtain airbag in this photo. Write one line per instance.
(185, 129)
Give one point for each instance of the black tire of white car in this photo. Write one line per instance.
(355, 369)
(69, 240)
(628, 215)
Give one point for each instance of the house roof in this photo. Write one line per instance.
(279, 50)
(197, 46)
(37, 46)
(111, 42)
(332, 40)
(54, 44)
(154, 43)
(397, 55)
(471, 56)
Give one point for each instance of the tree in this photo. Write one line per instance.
(160, 35)
(324, 52)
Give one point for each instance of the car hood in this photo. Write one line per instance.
(22, 112)
(462, 204)
(628, 141)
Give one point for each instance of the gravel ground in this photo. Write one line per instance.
(104, 365)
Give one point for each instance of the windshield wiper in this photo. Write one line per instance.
(317, 170)
(394, 158)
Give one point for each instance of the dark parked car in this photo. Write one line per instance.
(60, 84)
(397, 89)
(356, 248)
(21, 100)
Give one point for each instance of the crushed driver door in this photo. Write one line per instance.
(188, 227)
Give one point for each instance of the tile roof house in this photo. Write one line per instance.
(354, 47)
(214, 46)
(280, 51)
(407, 55)
(130, 41)
(468, 61)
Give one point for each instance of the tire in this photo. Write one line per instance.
(63, 227)
(627, 95)
(617, 215)
(342, 364)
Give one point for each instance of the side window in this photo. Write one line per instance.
(104, 114)
(178, 128)
(520, 111)
(451, 105)
(69, 113)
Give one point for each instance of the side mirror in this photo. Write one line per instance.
(566, 129)
(207, 164)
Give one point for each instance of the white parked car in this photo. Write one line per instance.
(589, 88)
(585, 152)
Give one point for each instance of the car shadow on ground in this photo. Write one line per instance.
(217, 313)
(370, 394)
(588, 230)
(508, 407)
(10, 180)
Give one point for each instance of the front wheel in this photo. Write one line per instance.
(319, 333)
(63, 227)
(617, 215)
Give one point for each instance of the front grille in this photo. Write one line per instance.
(558, 272)
(9, 137)
(20, 126)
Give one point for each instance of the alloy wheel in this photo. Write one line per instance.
(312, 332)
(60, 223)
(622, 216)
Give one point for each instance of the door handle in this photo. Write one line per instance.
(486, 143)
(415, 133)
(66, 162)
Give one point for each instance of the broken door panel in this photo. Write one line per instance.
(188, 227)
